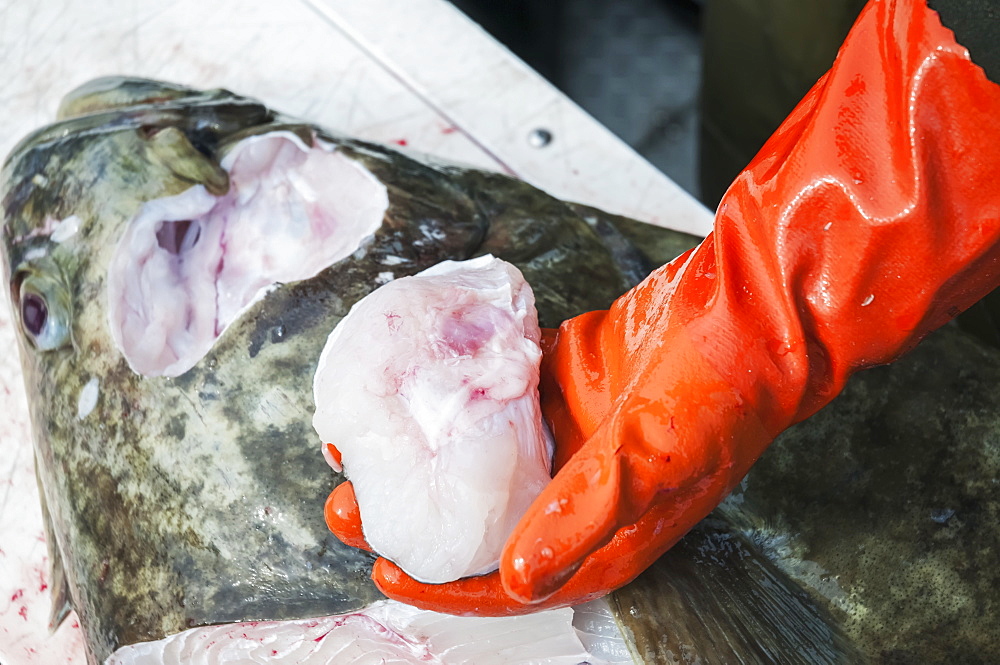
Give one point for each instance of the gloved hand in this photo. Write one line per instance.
(870, 218)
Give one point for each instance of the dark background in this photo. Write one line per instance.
(697, 86)
(694, 86)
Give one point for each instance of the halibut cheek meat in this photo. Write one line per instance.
(428, 388)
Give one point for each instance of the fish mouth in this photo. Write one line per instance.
(189, 265)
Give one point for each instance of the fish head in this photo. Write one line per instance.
(72, 188)
(176, 260)
(134, 180)
(187, 487)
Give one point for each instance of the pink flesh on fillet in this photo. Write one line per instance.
(189, 264)
(390, 633)
(429, 390)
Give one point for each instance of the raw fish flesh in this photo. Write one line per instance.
(385, 633)
(428, 388)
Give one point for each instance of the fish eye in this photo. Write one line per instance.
(43, 315)
(34, 313)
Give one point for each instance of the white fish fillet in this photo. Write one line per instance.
(429, 390)
(189, 264)
(386, 633)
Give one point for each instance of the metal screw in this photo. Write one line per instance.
(539, 138)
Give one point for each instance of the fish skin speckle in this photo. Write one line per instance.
(942, 515)
(65, 229)
(87, 400)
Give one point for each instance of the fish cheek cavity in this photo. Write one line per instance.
(188, 265)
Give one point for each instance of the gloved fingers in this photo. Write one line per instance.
(482, 595)
(649, 455)
(630, 551)
(569, 520)
(332, 457)
(572, 372)
(343, 517)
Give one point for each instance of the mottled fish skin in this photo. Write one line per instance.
(176, 502)
(886, 505)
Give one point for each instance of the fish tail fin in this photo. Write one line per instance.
(61, 603)
(715, 598)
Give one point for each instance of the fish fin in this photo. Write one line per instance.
(61, 603)
(172, 148)
(714, 598)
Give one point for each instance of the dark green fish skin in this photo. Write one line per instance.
(892, 498)
(196, 500)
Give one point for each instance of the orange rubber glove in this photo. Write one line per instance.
(870, 218)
